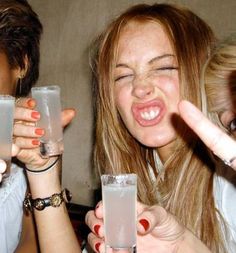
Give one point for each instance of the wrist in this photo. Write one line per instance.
(47, 182)
(39, 204)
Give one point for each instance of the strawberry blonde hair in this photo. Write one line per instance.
(187, 188)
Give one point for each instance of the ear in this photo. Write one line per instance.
(26, 63)
(21, 72)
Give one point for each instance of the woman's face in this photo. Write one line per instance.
(147, 83)
(8, 76)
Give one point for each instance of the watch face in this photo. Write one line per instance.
(27, 204)
(39, 204)
(56, 200)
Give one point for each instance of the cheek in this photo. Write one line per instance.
(122, 98)
(7, 83)
(170, 87)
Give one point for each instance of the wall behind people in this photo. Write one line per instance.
(69, 28)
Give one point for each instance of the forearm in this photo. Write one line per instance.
(192, 244)
(28, 246)
(28, 241)
(55, 230)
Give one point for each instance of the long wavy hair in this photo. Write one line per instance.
(187, 187)
(20, 32)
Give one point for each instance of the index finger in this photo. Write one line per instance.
(26, 102)
(219, 142)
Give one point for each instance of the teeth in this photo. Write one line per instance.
(150, 115)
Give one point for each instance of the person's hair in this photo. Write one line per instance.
(187, 188)
(219, 81)
(20, 32)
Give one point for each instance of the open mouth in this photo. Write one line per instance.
(148, 114)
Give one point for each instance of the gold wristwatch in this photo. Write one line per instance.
(55, 200)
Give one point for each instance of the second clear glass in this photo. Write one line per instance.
(49, 105)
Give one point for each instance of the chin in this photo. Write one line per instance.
(156, 142)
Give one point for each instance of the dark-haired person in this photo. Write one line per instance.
(20, 32)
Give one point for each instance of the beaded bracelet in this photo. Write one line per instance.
(55, 200)
(43, 170)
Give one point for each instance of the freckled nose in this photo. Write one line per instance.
(142, 88)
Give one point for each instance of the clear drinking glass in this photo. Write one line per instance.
(7, 107)
(49, 105)
(119, 194)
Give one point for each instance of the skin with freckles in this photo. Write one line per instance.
(147, 84)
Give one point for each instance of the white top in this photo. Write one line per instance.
(12, 193)
(225, 200)
(224, 191)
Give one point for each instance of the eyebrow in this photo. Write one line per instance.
(160, 57)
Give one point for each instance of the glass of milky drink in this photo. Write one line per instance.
(48, 103)
(119, 195)
(7, 108)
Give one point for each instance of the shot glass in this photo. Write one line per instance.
(49, 105)
(119, 194)
(7, 107)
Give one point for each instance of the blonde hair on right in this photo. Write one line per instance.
(218, 83)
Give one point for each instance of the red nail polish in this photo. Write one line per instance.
(35, 142)
(31, 103)
(97, 245)
(144, 223)
(96, 229)
(39, 131)
(35, 115)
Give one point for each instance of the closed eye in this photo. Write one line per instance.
(122, 77)
(167, 68)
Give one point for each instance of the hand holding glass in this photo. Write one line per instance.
(119, 195)
(49, 105)
(7, 106)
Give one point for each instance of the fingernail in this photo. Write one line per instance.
(39, 131)
(144, 223)
(35, 115)
(3, 166)
(35, 142)
(31, 103)
(96, 229)
(97, 246)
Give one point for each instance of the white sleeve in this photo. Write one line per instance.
(225, 199)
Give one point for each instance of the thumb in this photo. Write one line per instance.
(67, 115)
(151, 218)
(15, 150)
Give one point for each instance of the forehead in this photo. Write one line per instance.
(143, 37)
